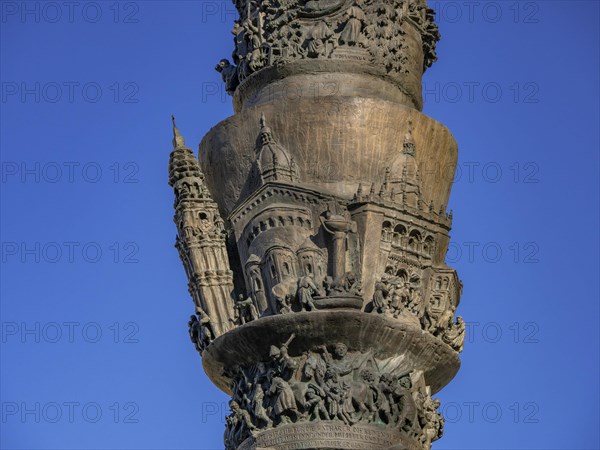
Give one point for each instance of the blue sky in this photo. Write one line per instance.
(94, 346)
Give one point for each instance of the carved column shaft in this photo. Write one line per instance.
(346, 327)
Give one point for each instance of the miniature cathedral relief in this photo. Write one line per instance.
(300, 249)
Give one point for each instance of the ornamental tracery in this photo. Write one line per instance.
(278, 32)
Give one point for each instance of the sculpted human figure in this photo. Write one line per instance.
(229, 74)
(415, 304)
(455, 335)
(336, 361)
(207, 334)
(384, 391)
(444, 323)
(396, 300)
(403, 406)
(349, 284)
(405, 294)
(306, 290)
(253, 38)
(317, 38)
(246, 310)
(328, 285)
(380, 301)
(314, 369)
(284, 408)
(364, 394)
(339, 401)
(200, 329)
(431, 318)
(195, 332)
(315, 403)
(432, 422)
(242, 422)
(259, 411)
(285, 365)
(341, 362)
(241, 46)
(352, 30)
(284, 304)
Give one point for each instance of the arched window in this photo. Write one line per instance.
(386, 232)
(271, 223)
(414, 239)
(309, 269)
(400, 229)
(273, 272)
(399, 233)
(286, 268)
(428, 245)
(401, 273)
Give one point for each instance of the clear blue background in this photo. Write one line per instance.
(532, 350)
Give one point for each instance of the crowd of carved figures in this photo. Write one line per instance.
(329, 384)
(276, 32)
(396, 294)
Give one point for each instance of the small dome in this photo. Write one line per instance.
(270, 151)
(404, 168)
(273, 159)
(273, 154)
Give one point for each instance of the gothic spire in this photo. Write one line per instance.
(183, 162)
(178, 141)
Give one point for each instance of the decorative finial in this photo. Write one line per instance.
(386, 180)
(409, 147)
(266, 134)
(178, 140)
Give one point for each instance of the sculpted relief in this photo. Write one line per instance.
(323, 304)
(329, 383)
(300, 250)
(277, 32)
